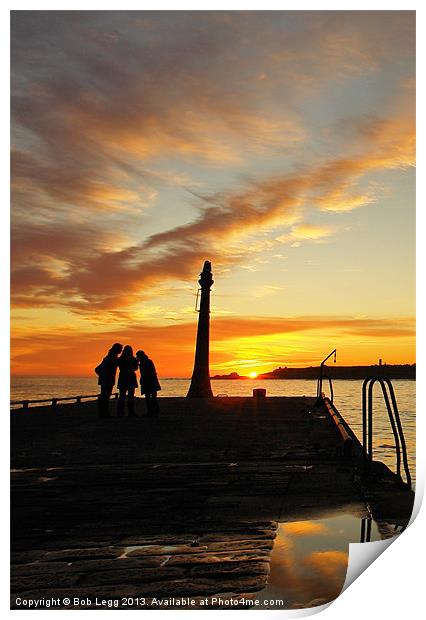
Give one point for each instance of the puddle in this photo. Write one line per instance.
(169, 550)
(131, 549)
(309, 560)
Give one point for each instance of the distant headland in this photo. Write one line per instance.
(393, 371)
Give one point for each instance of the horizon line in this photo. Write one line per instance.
(86, 376)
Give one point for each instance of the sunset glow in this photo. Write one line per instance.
(278, 145)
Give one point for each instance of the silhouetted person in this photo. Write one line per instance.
(127, 382)
(149, 383)
(106, 378)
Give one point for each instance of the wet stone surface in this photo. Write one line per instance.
(186, 505)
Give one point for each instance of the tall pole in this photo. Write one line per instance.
(200, 383)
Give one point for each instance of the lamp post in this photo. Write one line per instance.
(200, 382)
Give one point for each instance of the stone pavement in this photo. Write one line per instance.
(185, 505)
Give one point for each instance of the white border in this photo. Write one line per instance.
(393, 585)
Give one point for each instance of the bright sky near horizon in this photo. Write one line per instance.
(278, 145)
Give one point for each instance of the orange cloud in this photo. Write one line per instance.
(93, 279)
(70, 351)
(333, 564)
(307, 231)
(122, 95)
(304, 528)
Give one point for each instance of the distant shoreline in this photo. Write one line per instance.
(261, 378)
(349, 373)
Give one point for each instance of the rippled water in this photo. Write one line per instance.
(347, 398)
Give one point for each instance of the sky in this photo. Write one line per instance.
(279, 145)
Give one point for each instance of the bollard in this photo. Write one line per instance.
(259, 393)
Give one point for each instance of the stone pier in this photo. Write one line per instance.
(185, 505)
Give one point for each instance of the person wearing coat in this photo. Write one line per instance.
(106, 378)
(149, 383)
(127, 382)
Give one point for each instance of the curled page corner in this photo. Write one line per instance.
(361, 556)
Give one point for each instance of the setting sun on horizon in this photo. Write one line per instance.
(278, 145)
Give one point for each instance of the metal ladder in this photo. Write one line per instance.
(365, 529)
(366, 523)
(394, 419)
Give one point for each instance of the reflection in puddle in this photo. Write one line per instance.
(309, 559)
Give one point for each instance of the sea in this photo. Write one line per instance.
(347, 399)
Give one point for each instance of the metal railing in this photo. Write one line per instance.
(394, 419)
(330, 385)
(340, 426)
(54, 401)
(366, 523)
(322, 376)
(365, 529)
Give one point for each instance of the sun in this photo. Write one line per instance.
(253, 374)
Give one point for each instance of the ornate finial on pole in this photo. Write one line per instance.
(200, 383)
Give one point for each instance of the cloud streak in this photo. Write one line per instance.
(126, 121)
(270, 204)
(77, 352)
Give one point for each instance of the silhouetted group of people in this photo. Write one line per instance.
(122, 358)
